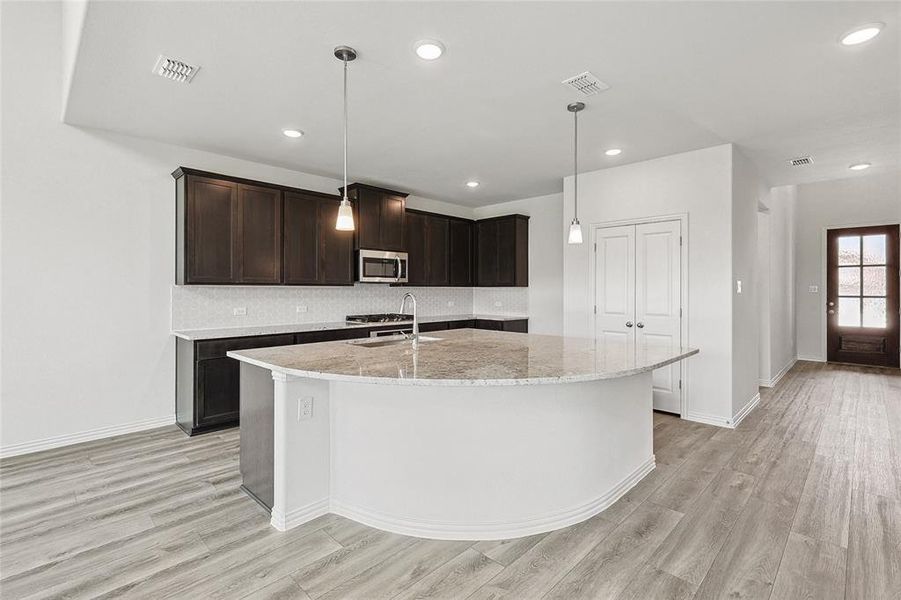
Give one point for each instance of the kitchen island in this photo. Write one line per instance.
(469, 434)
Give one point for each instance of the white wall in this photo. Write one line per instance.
(545, 299)
(748, 190)
(699, 184)
(780, 302)
(763, 293)
(867, 199)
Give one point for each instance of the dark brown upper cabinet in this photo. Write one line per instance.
(238, 231)
(259, 239)
(315, 252)
(428, 249)
(502, 251)
(380, 217)
(460, 233)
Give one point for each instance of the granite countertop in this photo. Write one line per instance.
(465, 357)
(251, 330)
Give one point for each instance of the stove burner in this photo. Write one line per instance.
(379, 318)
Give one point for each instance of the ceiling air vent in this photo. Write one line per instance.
(174, 69)
(800, 161)
(586, 83)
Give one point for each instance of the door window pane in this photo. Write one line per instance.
(849, 250)
(874, 312)
(874, 249)
(848, 281)
(873, 281)
(849, 312)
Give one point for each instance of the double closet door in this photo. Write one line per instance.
(638, 297)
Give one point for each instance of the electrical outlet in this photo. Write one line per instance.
(450, 303)
(738, 286)
(498, 304)
(239, 311)
(301, 308)
(305, 408)
(813, 289)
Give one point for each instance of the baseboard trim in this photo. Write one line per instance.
(283, 521)
(707, 419)
(747, 408)
(812, 358)
(84, 436)
(768, 383)
(492, 530)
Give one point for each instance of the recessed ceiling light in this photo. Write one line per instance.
(862, 34)
(613, 152)
(293, 133)
(860, 166)
(472, 184)
(429, 49)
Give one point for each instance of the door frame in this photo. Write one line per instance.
(824, 274)
(683, 321)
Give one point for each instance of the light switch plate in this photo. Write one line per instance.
(813, 289)
(239, 311)
(301, 308)
(498, 304)
(738, 286)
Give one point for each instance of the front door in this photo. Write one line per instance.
(862, 295)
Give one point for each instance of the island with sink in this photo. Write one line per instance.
(465, 434)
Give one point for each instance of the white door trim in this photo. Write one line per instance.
(592, 288)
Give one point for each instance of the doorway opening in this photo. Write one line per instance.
(862, 321)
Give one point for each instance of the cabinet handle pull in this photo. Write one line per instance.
(628, 323)
(639, 325)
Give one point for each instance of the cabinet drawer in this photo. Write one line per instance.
(467, 324)
(436, 326)
(330, 335)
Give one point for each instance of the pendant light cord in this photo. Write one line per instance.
(345, 128)
(576, 166)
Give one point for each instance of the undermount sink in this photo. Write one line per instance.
(390, 340)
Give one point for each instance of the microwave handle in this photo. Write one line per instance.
(398, 272)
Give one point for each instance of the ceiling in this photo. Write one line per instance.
(770, 77)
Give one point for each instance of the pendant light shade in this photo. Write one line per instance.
(575, 228)
(345, 220)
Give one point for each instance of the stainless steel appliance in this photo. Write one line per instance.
(379, 266)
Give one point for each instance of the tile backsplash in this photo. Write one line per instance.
(205, 307)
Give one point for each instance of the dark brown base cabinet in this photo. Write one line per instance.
(207, 382)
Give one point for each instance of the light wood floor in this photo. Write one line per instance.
(803, 500)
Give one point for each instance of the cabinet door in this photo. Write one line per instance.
(435, 326)
(460, 253)
(393, 216)
(437, 251)
(217, 391)
(301, 239)
(369, 211)
(486, 254)
(210, 231)
(506, 252)
(260, 234)
(336, 248)
(417, 249)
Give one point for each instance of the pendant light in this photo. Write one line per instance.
(575, 228)
(345, 221)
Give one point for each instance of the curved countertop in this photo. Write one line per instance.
(466, 357)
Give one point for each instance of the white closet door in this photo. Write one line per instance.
(658, 299)
(615, 291)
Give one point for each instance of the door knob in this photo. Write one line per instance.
(628, 323)
(639, 325)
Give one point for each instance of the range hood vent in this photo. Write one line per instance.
(174, 69)
(586, 84)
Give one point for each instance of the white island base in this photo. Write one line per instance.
(475, 462)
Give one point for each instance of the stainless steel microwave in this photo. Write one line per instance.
(378, 266)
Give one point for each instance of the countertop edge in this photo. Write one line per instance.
(236, 354)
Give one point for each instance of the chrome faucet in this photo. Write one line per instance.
(403, 303)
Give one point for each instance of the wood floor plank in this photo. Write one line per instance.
(810, 569)
(690, 549)
(283, 589)
(746, 565)
(824, 510)
(874, 547)
(458, 578)
(608, 569)
(659, 585)
(538, 570)
(507, 551)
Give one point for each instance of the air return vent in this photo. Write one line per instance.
(586, 83)
(174, 69)
(801, 161)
